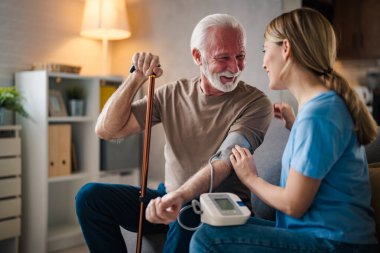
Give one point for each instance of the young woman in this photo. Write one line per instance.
(323, 201)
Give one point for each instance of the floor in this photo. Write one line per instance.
(77, 249)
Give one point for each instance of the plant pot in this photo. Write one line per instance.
(76, 107)
(2, 116)
(5, 116)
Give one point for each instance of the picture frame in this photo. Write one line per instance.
(57, 107)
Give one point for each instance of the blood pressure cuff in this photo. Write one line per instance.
(225, 150)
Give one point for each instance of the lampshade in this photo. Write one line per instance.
(105, 19)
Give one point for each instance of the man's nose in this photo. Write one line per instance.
(233, 65)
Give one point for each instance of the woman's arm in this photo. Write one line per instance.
(293, 200)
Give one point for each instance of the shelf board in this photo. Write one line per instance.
(10, 127)
(118, 172)
(68, 75)
(71, 177)
(115, 78)
(71, 119)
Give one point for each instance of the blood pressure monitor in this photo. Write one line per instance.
(223, 209)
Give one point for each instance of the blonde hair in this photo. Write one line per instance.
(313, 44)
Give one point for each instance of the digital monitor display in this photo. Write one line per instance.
(224, 204)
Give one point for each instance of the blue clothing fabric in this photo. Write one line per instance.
(101, 208)
(323, 145)
(259, 235)
(178, 238)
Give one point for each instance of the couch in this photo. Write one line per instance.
(268, 161)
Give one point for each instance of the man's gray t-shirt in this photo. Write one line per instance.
(196, 125)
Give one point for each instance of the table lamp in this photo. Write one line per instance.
(105, 20)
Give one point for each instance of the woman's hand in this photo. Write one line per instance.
(243, 164)
(285, 112)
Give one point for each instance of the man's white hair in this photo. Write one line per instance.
(199, 36)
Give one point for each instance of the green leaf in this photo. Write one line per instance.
(11, 99)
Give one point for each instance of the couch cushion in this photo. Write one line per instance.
(268, 162)
(373, 149)
(374, 174)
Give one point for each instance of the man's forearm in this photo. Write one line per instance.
(117, 110)
(200, 182)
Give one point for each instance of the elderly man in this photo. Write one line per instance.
(201, 116)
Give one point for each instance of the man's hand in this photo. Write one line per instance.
(285, 112)
(164, 210)
(243, 164)
(146, 64)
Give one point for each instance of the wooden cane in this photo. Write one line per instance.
(145, 165)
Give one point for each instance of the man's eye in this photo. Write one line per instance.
(241, 57)
(222, 58)
(263, 51)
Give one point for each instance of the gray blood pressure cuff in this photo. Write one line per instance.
(225, 150)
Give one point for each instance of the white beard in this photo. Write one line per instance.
(214, 79)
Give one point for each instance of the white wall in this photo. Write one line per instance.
(40, 31)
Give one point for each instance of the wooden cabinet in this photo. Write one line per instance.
(357, 24)
(49, 219)
(10, 188)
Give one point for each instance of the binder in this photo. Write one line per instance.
(106, 92)
(59, 150)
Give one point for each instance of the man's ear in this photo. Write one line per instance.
(196, 56)
(286, 49)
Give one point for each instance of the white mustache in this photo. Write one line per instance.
(228, 74)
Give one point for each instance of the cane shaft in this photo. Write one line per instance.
(145, 165)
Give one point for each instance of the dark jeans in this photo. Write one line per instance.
(101, 208)
(259, 235)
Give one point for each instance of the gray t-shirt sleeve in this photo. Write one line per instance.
(139, 110)
(254, 121)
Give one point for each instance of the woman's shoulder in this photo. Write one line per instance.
(327, 109)
(326, 105)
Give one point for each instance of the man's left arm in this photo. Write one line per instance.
(251, 127)
(165, 210)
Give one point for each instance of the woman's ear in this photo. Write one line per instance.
(286, 50)
(196, 56)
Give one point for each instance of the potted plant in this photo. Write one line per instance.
(75, 96)
(10, 99)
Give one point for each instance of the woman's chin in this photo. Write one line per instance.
(276, 86)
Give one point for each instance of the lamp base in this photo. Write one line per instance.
(105, 65)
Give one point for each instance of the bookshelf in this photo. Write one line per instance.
(49, 202)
